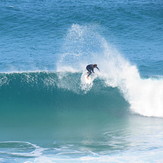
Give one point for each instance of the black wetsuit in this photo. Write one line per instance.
(90, 69)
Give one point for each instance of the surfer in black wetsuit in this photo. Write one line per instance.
(90, 69)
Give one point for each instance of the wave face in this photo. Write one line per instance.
(58, 90)
(68, 90)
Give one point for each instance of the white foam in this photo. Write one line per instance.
(36, 150)
(87, 83)
(144, 95)
(3, 80)
(122, 157)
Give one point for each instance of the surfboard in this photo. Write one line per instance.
(87, 79)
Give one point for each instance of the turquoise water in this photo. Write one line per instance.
(48, 113)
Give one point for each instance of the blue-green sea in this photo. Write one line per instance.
(50, 112)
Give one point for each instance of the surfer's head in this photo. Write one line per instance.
(95, 65)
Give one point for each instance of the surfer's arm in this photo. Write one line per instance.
(98, 69)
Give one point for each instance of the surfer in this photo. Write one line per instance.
(90, 69)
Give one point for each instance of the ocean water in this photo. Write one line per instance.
(48, 113)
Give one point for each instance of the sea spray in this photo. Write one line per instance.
(143, 95)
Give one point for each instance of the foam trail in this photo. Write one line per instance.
(84, 45)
